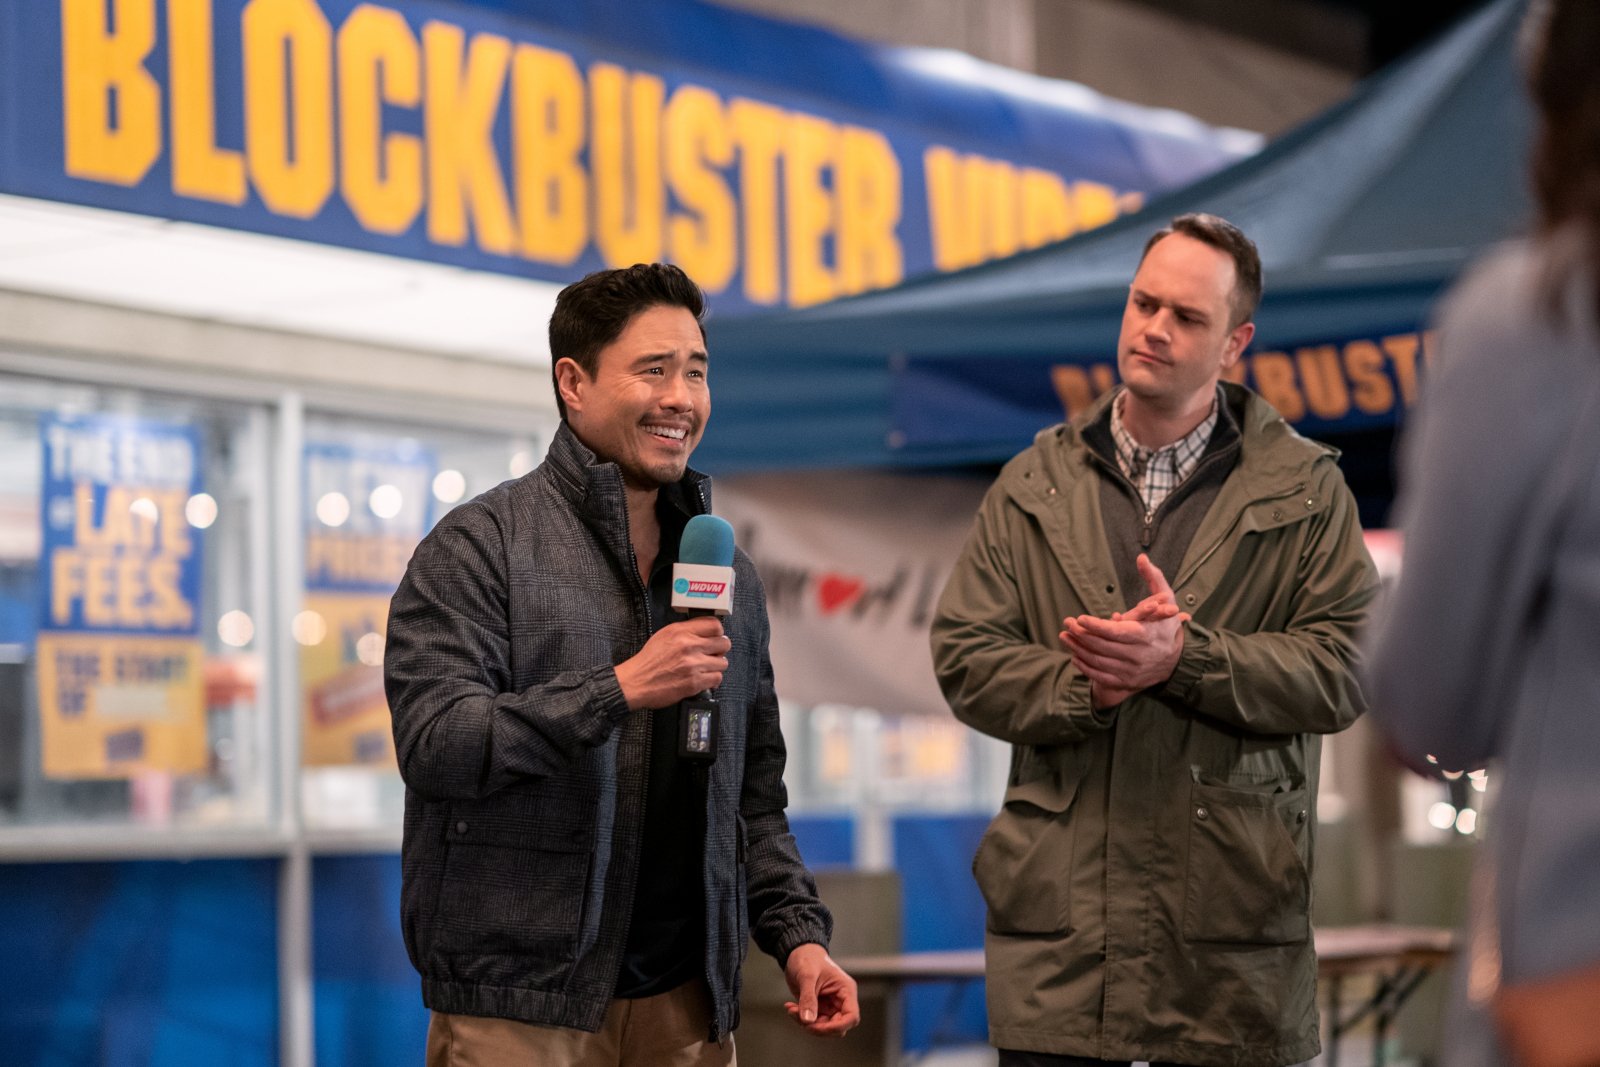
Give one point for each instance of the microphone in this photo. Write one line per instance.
(702, 579)
(702, 584)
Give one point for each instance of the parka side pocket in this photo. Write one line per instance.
(1247, 881)
(1024, 862)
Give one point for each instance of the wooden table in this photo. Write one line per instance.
(1400, 957)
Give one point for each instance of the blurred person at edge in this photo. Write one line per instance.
(1148, 876)
(1489, 648)
(573, 892)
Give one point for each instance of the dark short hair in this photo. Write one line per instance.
(1560, 42)
(593, 312)
(1224, 236)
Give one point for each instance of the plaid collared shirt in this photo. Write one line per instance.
(1156, 472)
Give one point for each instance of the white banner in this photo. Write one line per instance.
(853, 564)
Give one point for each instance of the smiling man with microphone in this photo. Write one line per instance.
(585, 720)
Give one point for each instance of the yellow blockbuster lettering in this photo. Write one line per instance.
(288, 104)
(699, 143)
(380, 176)
(458, 114)
(995, 183)
(1274, 374)
(1402, 352)
(96, 63)
(1093, 205)
(954, 210)
(1046, 208)
(1077, 387)
(867, 183)
(1072, 388)
(808, 149)
(199, 168)
(1322, 380)
(625, 153)
(758, 129)
(1373, 393)
(547, 133)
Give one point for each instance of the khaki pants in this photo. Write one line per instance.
(668, 1030)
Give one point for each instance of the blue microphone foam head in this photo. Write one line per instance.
(707, 541)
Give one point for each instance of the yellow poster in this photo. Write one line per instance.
(341, 671)
(112, 706)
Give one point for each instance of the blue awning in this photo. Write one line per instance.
(1363, 216)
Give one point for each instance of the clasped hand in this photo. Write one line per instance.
(1133, 650)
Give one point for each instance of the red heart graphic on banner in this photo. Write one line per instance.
(835, 591)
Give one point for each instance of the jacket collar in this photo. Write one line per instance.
(1273, 457)
(594, 486)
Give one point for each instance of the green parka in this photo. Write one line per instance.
(1148, 877)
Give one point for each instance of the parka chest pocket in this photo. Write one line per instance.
(510, 888)
(1248, 882)
(1024, 862)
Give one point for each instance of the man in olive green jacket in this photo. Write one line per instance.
(1148, 878)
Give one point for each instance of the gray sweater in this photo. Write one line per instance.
(525, 769)
(1489, 649)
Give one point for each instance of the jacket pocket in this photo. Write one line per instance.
(1024, 862)
(513, 890)
(1247, 879)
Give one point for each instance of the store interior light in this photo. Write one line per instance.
(333, 509)
(449, 486)
(309, 628)
(1442, 815)
(229, 276)
(236, 629)
(145, 508)
(369, 649)
(386, 501)
(521, 463)
(1467, 821)
(201, 510)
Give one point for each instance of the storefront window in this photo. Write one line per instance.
(371, 491)
(845, 758)
(132, 580)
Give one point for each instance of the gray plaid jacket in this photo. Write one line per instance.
(525, 771)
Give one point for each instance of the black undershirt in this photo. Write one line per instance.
(666, 938)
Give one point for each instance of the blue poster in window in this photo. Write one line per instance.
(120, 552)
(367, 504)
(120, 660)
(366, 507)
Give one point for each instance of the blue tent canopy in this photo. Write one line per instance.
(1363, 216)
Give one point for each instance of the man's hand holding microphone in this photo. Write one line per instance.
(680, 660)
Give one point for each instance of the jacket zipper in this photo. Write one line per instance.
(716, 1031)
(1147, 532)
(644, 788)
